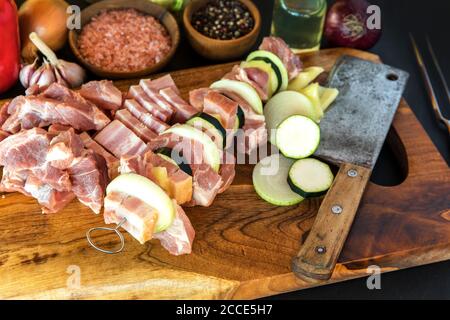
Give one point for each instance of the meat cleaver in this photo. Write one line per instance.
(353, 131)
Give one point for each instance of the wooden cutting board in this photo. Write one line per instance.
(243, 247)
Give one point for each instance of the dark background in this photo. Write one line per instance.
(399, 17)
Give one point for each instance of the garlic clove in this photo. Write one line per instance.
(47, 76)
(71, 72)
(26, 72)
(59, 78)
(36, 76)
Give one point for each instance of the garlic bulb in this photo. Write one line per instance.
(26, 73)
(71, 72)
(66, 73)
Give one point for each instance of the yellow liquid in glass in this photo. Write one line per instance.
(299, 23)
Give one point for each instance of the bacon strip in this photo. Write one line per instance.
(146, 118)
(119, 140)
(138, 94)
(184, 110)
(135, 125)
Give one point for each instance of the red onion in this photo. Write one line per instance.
(346, 25)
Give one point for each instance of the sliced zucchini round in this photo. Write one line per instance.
(297, 137)
(270, 181)
(240, 118)
(149, 192)
(212, 154)
(284, 105)
(167, 154)
(211, 126)
(267, 68)
(276, 64)
(243, 89)
(310, 177)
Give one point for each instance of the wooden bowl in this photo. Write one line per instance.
(220, 49)
(164, 17)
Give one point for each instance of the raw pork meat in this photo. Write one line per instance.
(178, 238)
(119, 140)
(89, 178)
(146, 118)
(135, 125)
(141, 217)
(111, 162)
(167, 175)
(258, 79)
(184, 110)
(103, 94)
(57, 104)
(278, 47)
(138, 94)
(64, 148)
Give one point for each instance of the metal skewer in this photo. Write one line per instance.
(438, 68)
(116, 230)
(429, 85)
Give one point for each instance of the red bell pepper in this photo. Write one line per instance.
(9, 45)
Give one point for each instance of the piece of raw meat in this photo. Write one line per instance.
(278, 47)
(103, 94)
(178, 238)
(89, 178)
(132, 123)
(138, 94)
(111, 161)
(140, 216)
(119, 140)
(184, 110)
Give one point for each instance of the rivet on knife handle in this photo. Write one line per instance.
(319, 254)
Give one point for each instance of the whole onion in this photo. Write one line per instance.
(48, 19)
(346, 25)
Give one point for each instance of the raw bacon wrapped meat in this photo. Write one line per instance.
(278, 47)
(146, 212)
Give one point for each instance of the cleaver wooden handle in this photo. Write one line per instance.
(318, 255)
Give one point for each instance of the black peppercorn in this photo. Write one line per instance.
(223, 19)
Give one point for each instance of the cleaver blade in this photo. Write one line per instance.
(353, 130)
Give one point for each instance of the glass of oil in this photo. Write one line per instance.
(299, 23)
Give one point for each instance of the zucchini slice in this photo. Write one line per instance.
(276, 64)
(310, 177)
(267, 68)
(284, 105)
(270, 181)
(166, 153)
(212, 154)
(211, 125)
(297, 137)
(149, 192)
(243, 89)
(240, 119)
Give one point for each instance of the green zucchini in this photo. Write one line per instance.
(212, 154)
(166, 153)
(276, 64)
(297, 137)
(212, 125)
(310, 177)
